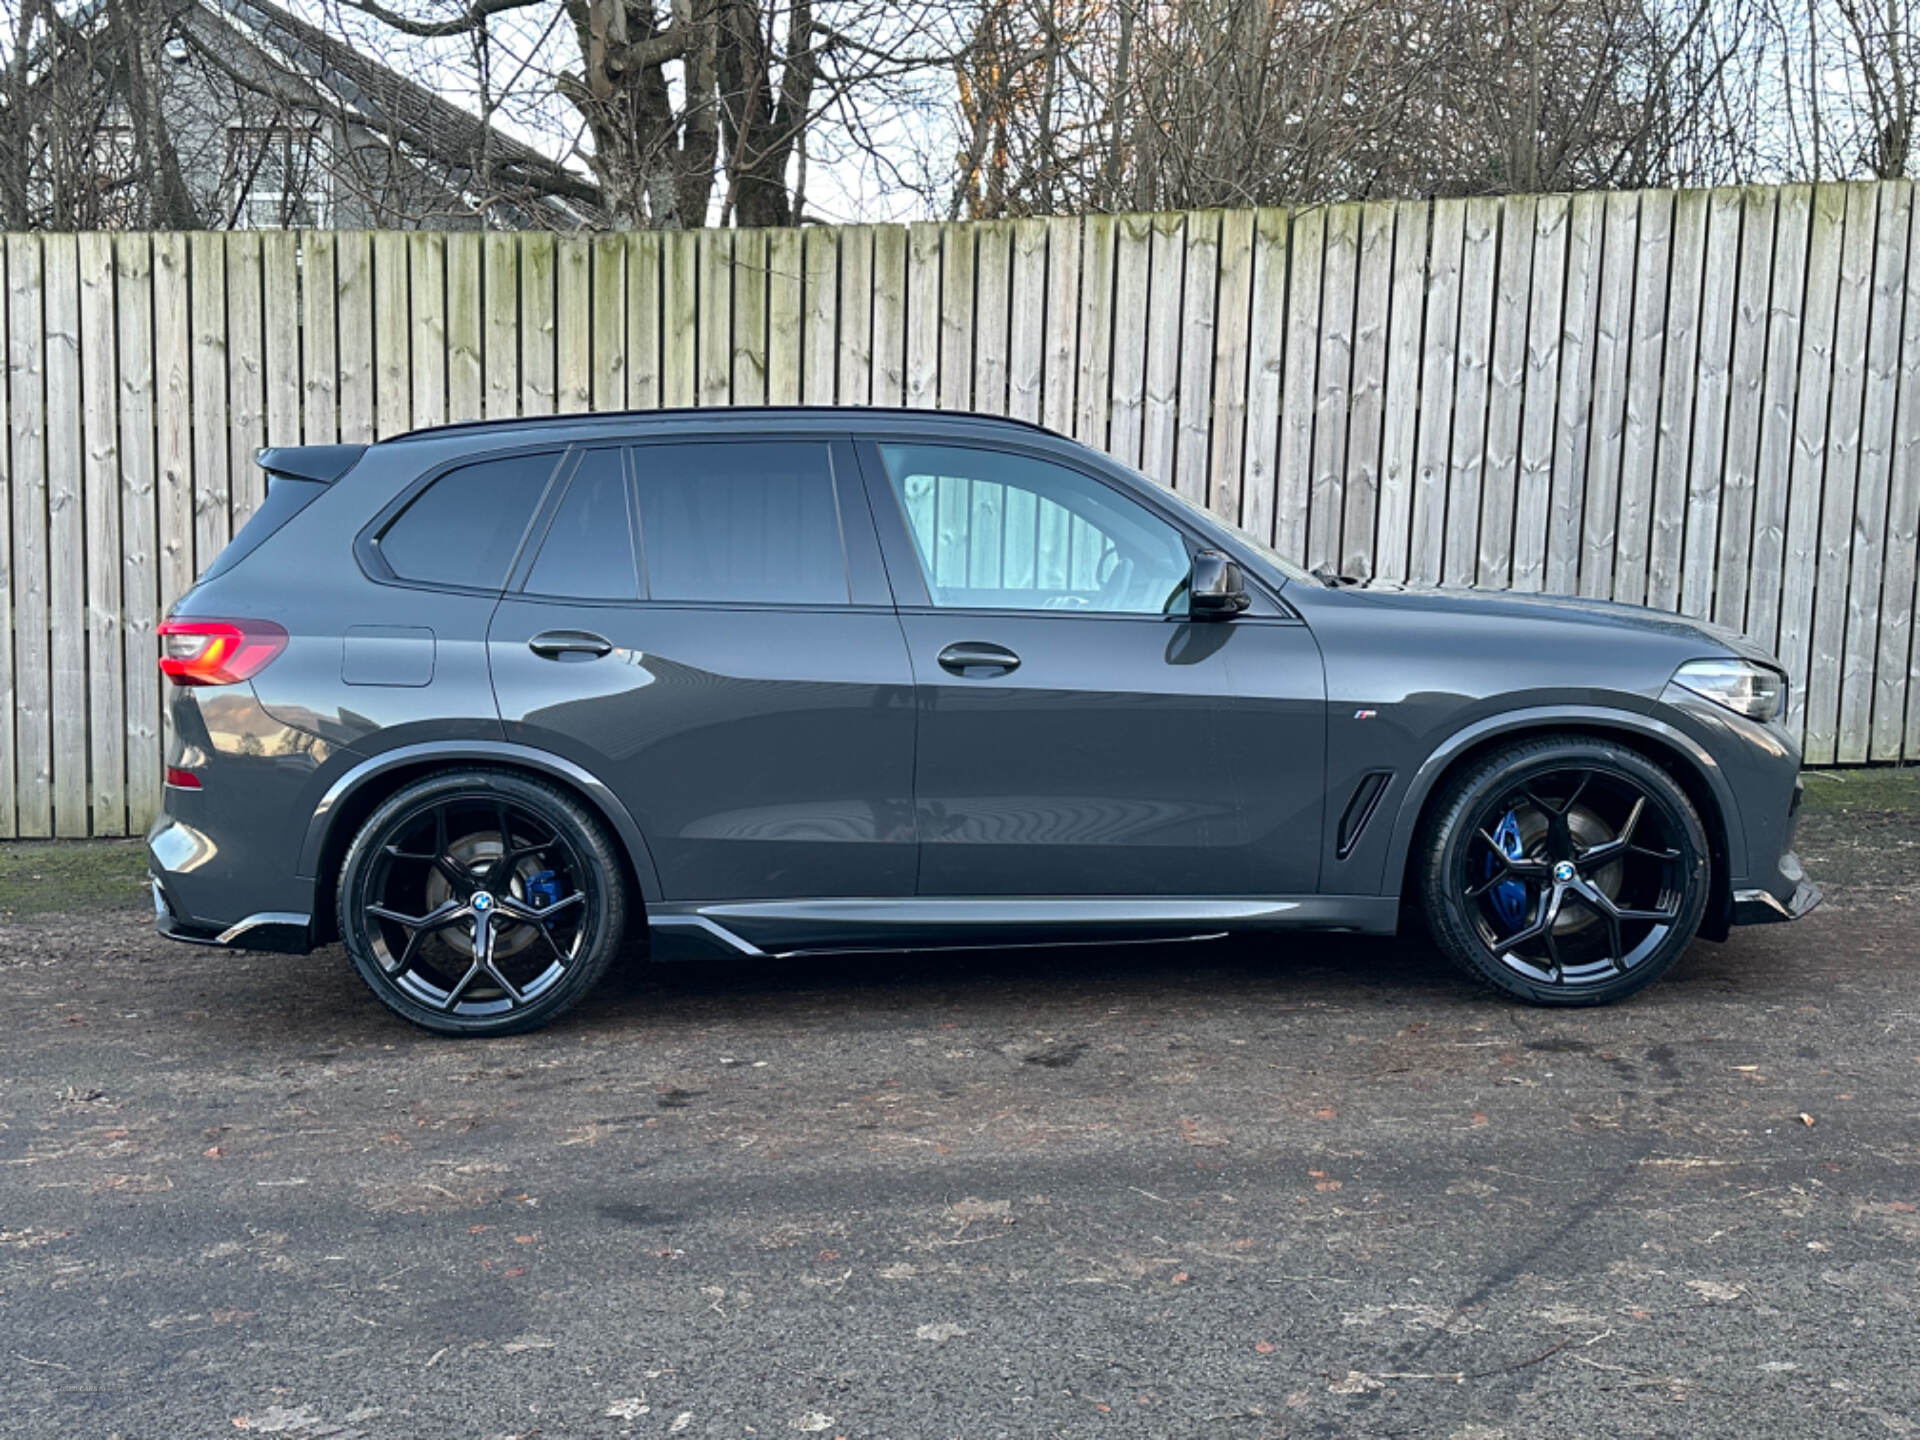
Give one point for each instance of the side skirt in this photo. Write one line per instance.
(779, 928)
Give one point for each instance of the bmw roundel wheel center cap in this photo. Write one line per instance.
(1563, 873)
(483, 902)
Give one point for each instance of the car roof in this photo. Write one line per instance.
(754, 416)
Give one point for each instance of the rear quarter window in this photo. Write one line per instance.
(465, 528)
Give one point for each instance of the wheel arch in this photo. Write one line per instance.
(356, 794)
(1679, 754)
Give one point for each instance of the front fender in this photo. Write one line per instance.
(484, 752)
(1546, 718)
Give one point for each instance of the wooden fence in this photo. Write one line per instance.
(1705, 401)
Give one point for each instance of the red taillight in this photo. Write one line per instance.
(181, 779)
(217, 652)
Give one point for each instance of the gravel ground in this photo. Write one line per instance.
(1287, 1188)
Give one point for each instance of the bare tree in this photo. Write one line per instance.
(695, 110)
(1884, 51)
(1103, 104)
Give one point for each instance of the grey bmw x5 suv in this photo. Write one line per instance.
(484, 702)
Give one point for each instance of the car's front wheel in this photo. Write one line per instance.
(481, 902)
(1564, 870)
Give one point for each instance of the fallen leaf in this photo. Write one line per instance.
(1326, 1184)
(1263, 1347)
(813, 1420)
(516, 1272)
(1325, 1112)
(680, 1422)
(1179, 1277)
(970, 1210)
(526, 1342)
(940, 1333)
(1478, 1118)
(1715, 1290)
(1355, 1382)
(631, 1408)
(1805, 1119)
(278, 1420)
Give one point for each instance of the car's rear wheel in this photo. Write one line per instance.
(1564, 871)
(481, 902)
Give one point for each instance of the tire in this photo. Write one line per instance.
(1564, 870)
(481, 902)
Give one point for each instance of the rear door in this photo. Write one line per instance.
(706, 626)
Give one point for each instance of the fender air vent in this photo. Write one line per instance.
(1366, 799)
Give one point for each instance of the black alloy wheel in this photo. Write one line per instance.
(481, 902)
(1565, 871)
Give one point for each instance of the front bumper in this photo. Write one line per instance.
(1764, 907)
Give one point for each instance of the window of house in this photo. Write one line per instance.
(275, 178)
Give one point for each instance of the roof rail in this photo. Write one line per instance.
(586, 417)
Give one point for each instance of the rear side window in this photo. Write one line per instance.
(465, 528)
(751, 522)
(588, 552)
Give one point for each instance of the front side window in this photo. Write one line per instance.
(995, 531)
(588, 552)
(741, 522)
(465, 528)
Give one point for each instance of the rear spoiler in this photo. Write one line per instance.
(323, 464)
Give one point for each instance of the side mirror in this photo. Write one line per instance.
(1215, 588)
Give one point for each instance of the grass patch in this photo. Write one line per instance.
(45, 877)
(1882, 788)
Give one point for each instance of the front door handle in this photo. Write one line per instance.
(977, 655)
(558, 644)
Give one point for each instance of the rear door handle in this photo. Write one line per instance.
(969, 655)
(556, 644)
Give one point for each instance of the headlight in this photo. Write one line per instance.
(1755, 691)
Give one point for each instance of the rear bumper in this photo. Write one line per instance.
(283, 932)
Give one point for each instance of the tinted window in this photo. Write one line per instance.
(995, 531)
(741, 521)
(464, 528)
(588, 552)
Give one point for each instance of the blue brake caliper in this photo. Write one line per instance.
(543, 889)
(1509, 896)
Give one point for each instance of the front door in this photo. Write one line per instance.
(737, 676)
(1078, 735)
